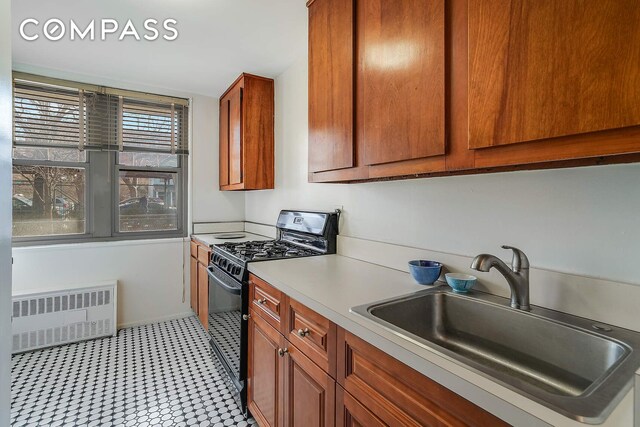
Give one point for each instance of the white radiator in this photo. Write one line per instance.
(44, 319)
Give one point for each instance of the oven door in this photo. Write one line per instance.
(227, 304)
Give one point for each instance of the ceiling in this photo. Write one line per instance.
(218, 40)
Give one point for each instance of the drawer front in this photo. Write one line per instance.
(267, 301)
(194, 249)
(313, 334)
(351, 413)
(204, 255)
(399, 395)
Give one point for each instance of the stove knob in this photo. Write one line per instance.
(223, 263)
(236, 270)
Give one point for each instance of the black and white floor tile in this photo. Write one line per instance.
(155, 375)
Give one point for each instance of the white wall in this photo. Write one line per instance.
(208, 202)
(5, 210)
(150, 274)
(583, 220)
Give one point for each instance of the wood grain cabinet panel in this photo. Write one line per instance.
(312, 333)
(193, 283)
(331, 73)
(246, 134)
(267, 301)
(235, 135)
(223, 141)
(401, 44)
(470, 86)
(309, 392)
(542, 69)
(397, 394)
(351, 413)
(265, 372)
(203, 295)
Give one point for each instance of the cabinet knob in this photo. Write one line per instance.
(261, 301)
(246, 316)
(282, 351)
(303, 332)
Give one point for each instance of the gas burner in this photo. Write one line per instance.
(292, 252)
(261, 255)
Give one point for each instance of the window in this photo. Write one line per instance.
(49, 192)
(96, 163)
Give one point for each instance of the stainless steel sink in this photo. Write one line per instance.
(572, 365)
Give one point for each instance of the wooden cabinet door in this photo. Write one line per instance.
(193, 282)
(235, 135)
(542, 69)
(401, 79)
(203, 295)
(265, 377)
(399, 395)
(331, 72)
(309, 392)
(224, 141)
(351, 413)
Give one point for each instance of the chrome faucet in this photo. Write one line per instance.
(517, 276)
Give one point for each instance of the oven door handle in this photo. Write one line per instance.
(230, 289)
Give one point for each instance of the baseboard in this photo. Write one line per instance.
(156, 320)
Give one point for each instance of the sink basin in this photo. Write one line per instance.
(573, 365)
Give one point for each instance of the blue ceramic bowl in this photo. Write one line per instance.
(425, 272)
(459, 282)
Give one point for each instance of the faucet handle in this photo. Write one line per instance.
(519, 261)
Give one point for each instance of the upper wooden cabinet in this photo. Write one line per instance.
(401, 79)
(246, 134)
(470, 86)
(376, 87)
(331, 71)
(542, 69)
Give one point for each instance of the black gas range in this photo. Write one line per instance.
(299, 234)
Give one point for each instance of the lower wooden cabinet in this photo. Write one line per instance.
(285, 388)
(351, 413)
(309, 392)
(203, 295)
(397, 394)
(289, 385)
(193, 285)
(265, 381)
(199, 281)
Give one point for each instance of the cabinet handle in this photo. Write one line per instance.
(246, 316)
(261, 301)
(282, 351)
(303, 332)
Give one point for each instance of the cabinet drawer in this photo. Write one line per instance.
(313, 334)
(267, 301)
(194, 249)
(399, 395)
(203, 255)
(351, 413)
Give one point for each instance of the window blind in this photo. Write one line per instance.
(152, 126)
(61, 114)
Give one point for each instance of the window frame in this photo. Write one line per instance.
(181, 186)
(88, 208)
(105, 228)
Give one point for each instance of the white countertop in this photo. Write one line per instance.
(332, 284)
(213, 238)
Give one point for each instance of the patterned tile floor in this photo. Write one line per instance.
(155, 375)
